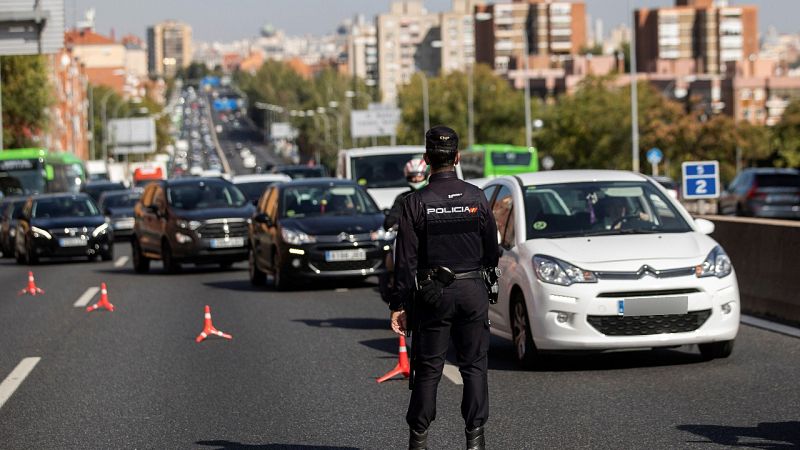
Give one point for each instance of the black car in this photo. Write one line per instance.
(117, 206)
(316, 228)
(56, 225)
(9, 210)
(95, 188)
(197, 220)
(301, 171)
(763, 192)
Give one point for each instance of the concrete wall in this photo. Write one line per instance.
(766, 257)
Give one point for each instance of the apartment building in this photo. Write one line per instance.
(362, 50)
(458, 36)
(407, 39)
(169, 47)
(709, 32)
(69, 113)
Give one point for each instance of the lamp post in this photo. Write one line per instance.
(634, 93)
(425, 114)
(104, 131)
(333, 108)
(471, 105)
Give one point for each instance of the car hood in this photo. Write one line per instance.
(384, 197)
(68, 222)
(332, 225)
(628, 252)
(244, 212)
(120, 213)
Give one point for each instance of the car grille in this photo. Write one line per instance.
(220, 228)
(71, 232)
(347, 265)
(646, 325)
(657, 293)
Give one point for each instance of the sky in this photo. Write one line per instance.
(227, 20)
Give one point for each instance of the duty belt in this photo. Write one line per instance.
(471, 275)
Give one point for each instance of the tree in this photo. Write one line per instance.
(787, 135)
(26, 97)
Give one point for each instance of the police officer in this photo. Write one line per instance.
(447, 234)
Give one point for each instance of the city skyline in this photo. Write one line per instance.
(242, 22)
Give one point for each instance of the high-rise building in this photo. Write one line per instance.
(710, 34)
(458, 36)
(407, 39)
(169, 47)
(362, 51)
(551, 28)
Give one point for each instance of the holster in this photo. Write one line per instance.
(432, 283)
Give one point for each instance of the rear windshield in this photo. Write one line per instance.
(381, 171)
(205, 194)
(778, 180)
(63, 207)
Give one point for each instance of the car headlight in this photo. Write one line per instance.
(717, 264)
(40, 232)
(296, 237)
(382, 235)
(555, 271)
(183, 238)
(189, 224)
(101, 229)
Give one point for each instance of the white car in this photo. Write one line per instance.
(607, 260)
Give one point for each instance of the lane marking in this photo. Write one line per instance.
(452, 374)
(341, 289)
(770, 326)
(121, 261)
(16, 377)
(86, 297)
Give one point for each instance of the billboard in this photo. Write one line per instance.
(132, 136)
(374, 122)
(30, 27)
(282, 130)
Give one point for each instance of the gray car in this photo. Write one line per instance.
(763, 192)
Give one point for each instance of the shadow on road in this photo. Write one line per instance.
(766, 435)
(387, 345)
(235, 285)
(228, 445)
(351, 323)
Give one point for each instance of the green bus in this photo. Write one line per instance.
(495, 160)
(37, 171)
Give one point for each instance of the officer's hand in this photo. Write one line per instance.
(398, 320)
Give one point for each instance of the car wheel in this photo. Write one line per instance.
(279, 280)
(525, 349)
(257, 277)
(170, 265)
(140, 262)
(109, 254)
(716, 350)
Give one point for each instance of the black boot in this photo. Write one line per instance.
(417, 441)
(475, 440)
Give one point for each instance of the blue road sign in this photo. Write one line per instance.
(654, 155)
(700, 180)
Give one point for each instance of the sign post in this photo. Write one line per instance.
(654, 157)
(700, 181)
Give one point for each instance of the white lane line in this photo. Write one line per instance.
(452, 374)
(121, 261)
(16, 377)
(771, 326)
(342, 289)
(87, 296)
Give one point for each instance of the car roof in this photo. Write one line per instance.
(318, 181)
(58, 195)
(260, 177)
(577, 176)
(193, 180)
(385, 150)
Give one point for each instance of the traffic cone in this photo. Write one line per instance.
(403, 367)
(208, 328)
(31, 289)
(103, 303)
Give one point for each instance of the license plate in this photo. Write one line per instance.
(227, 242)
(72, 242)
(653, 306)
(345, 255)
(783, 198)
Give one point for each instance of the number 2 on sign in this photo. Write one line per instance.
(702, 185)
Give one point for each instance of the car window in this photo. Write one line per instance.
(502, 210)
(315, 200)
(778, 180)
(489, 191)
(599, 208)
(205, 194)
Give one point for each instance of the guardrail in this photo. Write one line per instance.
(766, 256)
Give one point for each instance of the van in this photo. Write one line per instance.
(380, 170)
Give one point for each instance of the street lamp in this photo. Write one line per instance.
(634, 93)
(333, 108)
(425, 114)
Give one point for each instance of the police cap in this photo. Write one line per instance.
(441, 146)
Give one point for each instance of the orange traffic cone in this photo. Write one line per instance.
(103, 303)
(208, 328)
(31, 289)
(403, 367)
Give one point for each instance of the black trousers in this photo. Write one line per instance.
(462, 314)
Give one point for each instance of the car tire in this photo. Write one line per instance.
(524, 348)
(716, 350)
(168, 260)
(257, 277)
(141, 264)
(108, 255)
(279, 280)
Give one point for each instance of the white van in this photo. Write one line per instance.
(380, 170)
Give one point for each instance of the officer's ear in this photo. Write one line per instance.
(427, 160)
(457, 158)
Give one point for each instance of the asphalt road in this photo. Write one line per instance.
(300, 373)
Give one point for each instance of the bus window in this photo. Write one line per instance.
(21, 176)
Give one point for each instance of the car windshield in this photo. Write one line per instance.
(778, 180)
(303, 201)
(381, 171)
(205, 194)
(254, 189)
(303, 172)
(120, 201)
(599, 208)
(63, 207)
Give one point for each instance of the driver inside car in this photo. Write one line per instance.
(615, 214)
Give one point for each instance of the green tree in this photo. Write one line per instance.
(787, 136)
(26, 96)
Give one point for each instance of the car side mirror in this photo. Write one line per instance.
(263, 218)
(704, 226)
